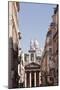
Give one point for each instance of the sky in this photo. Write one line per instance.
(34, 21)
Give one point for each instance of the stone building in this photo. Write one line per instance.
(49, 62)
(21, 70)
(13, 40)
(55, 37)
(32, 66)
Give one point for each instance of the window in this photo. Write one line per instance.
(32, 57)
(50, 51)
(50, 58)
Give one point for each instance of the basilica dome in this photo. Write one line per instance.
(36, 44)
(31, 44)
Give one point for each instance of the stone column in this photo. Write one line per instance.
(25, 79)
(29, 57)
(39, 78)
(30, 79)
(35, 79)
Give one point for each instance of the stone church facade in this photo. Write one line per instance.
(32, 66)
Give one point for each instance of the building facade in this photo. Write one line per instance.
(13, 40)
(21, 70)
(49, 62)
(32, 66)
(55, 18)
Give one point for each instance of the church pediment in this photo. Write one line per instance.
(32, 66)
